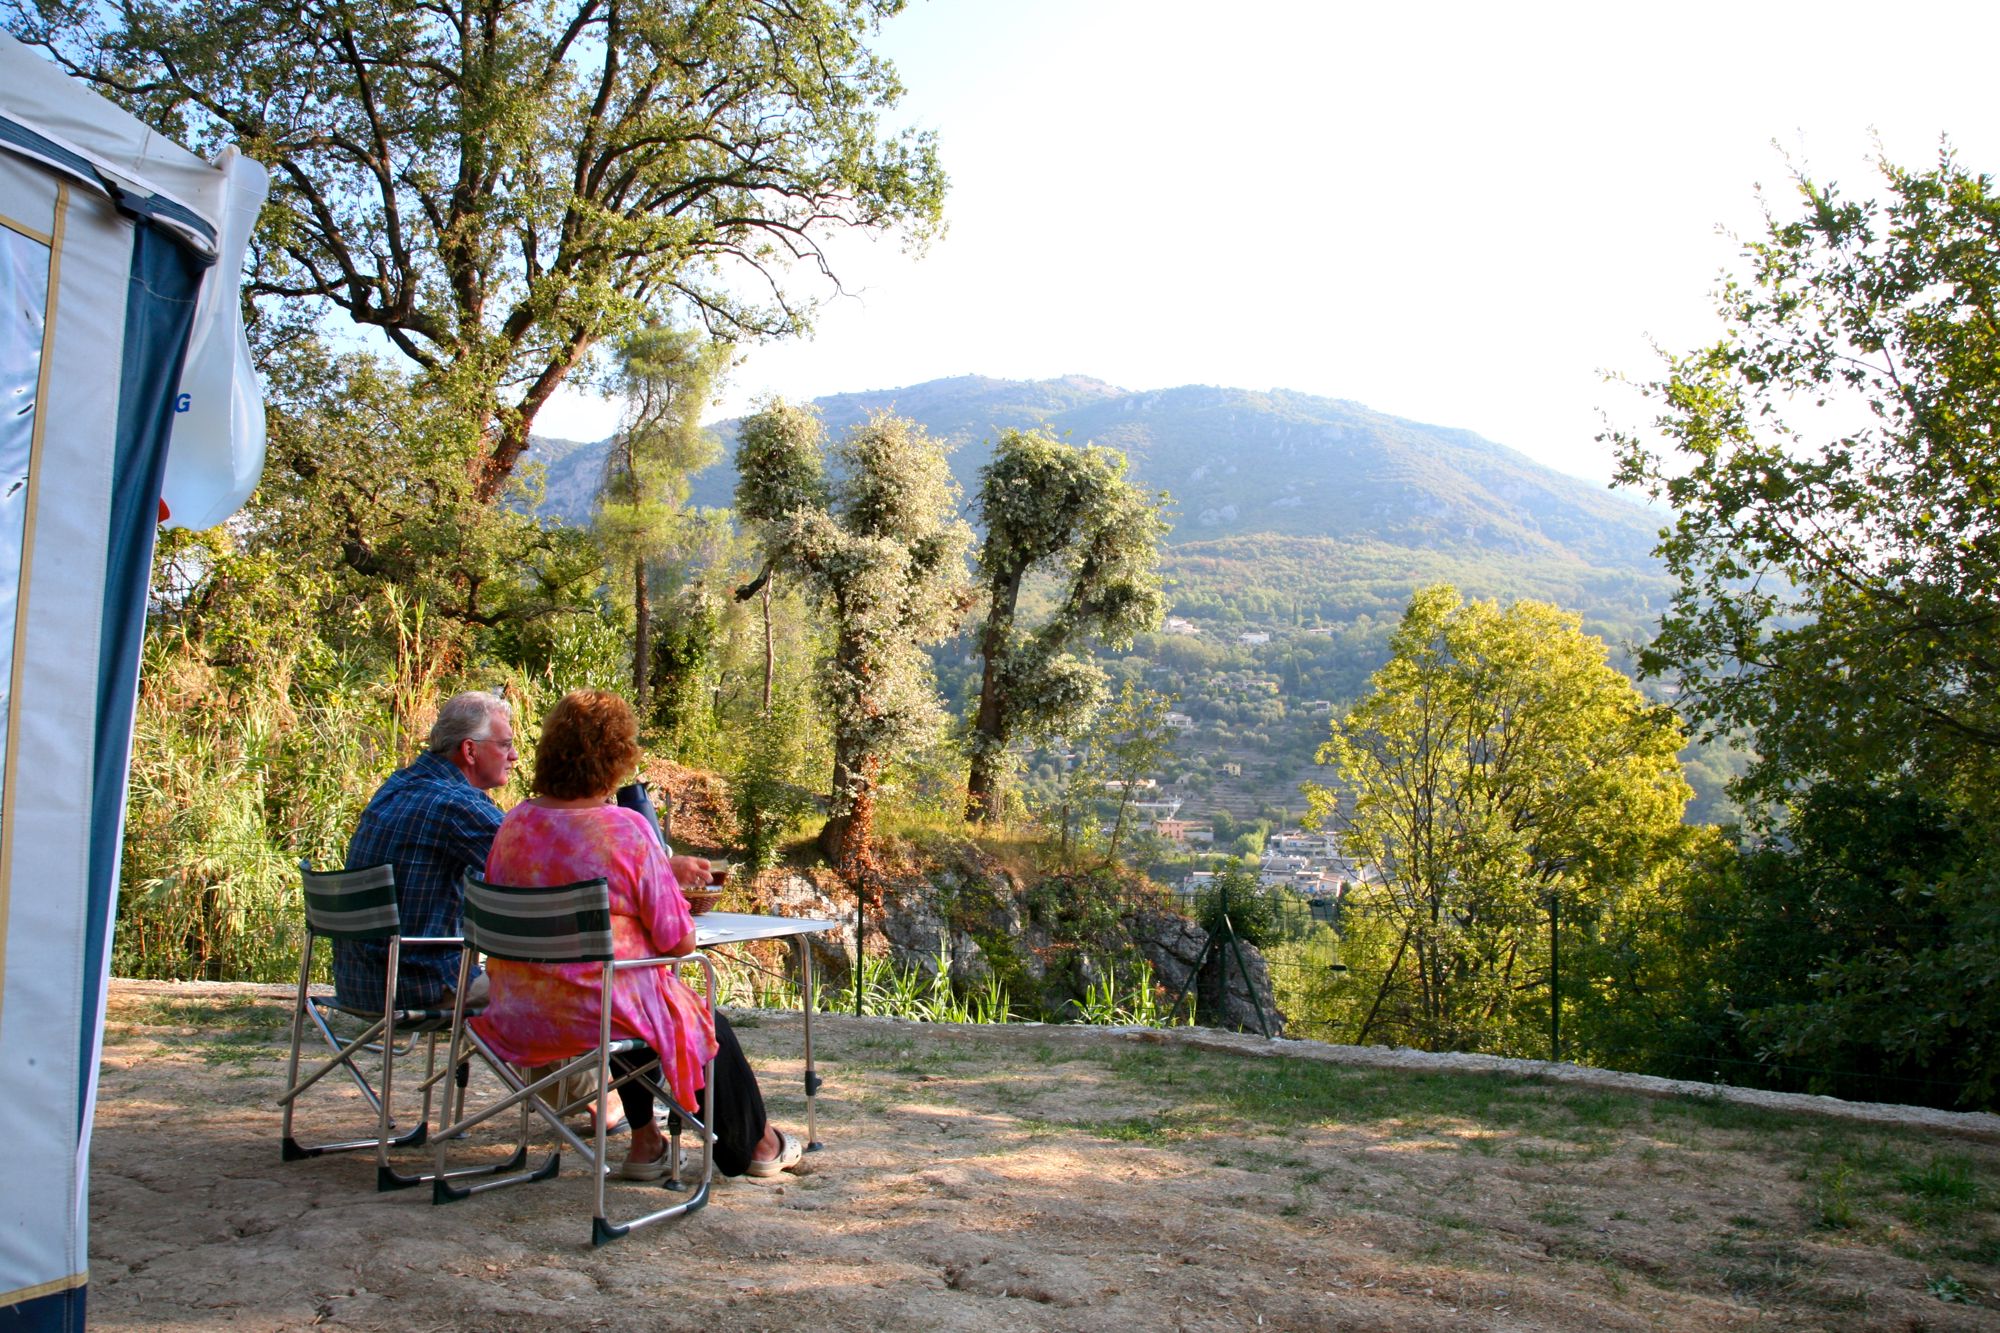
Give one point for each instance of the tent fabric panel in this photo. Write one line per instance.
(59, 108)
(140, 202)
(48, 1037)
(159, 317)
(27, 267)
(52, 1312)
(27, 197)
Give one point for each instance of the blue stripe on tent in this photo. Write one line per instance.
(17, 136)
(159, 316)
(57, 1312)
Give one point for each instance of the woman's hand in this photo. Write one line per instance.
(690, 872)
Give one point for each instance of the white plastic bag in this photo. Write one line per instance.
(217, 450)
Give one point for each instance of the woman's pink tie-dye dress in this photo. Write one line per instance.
(539, 1013)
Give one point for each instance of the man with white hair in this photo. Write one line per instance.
(432, 821)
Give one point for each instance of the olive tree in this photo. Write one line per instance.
(877, 545)
(1068, 511)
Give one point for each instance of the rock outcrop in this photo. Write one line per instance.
(1045, 940)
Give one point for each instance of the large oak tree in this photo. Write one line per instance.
(498, 185)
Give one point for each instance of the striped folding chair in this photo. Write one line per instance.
(571, 924)
(361, 905)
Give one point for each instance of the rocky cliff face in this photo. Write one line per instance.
(1046, 941)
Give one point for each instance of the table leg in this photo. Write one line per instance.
(812, 1076)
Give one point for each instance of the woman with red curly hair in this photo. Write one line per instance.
(571, 831)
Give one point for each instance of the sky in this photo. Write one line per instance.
(1462, 214)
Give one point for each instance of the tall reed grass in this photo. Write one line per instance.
(233, 783)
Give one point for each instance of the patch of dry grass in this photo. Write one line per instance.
(1065, 1178)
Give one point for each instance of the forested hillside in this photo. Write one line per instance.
(1308, 519)
(1239, 462)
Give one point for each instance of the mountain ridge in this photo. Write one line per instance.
(1371, 497)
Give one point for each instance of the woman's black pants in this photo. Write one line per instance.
(734, 1104)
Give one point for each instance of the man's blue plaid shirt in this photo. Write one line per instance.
(433, 826)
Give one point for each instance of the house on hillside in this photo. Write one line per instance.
(1253, 637)
(1282, 871)
(1179, 722)
(1180, 625)
(1186, 832)
(1294, 842)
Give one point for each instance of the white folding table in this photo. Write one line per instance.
(713, 928)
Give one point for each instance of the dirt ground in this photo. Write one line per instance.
(1060, 1178)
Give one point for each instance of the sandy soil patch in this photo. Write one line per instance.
(1059, 1178)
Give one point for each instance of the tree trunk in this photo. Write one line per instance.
(770, 656)
(984, 798)
(1118, 820)
(642, 637)
(846, 838)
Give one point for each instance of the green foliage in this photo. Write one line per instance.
(1253, 908)
(771, 786)
(232, 786)
(669, 378)
(1127, 743)
(1831, 463)
(1068, 511)
(682, 670)
(1324, 980)
(1132, 741)
(1105, 1003)
(1498, 765)
(369, 484)
(1857, 959)
(564, 653)
(925, 995)
(497, 196)
(1079, 908)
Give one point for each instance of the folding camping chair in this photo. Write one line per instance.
(571, 924)
(361, 905)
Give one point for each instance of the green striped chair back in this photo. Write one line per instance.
(351, 904)
(571, 924)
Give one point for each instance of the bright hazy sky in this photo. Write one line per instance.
(1459, 213)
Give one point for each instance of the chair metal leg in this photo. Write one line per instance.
(443, 1190)
(603, 1231)
(305, 1006)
